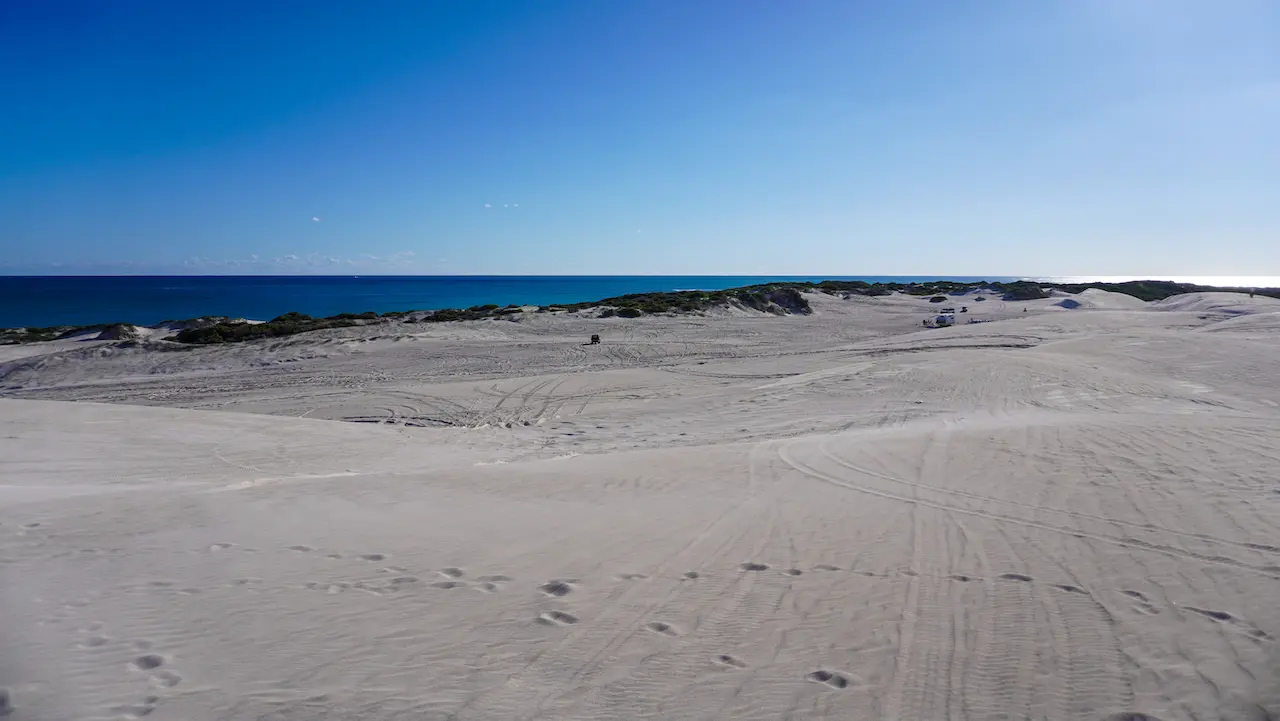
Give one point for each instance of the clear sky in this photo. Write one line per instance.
(1050, 137)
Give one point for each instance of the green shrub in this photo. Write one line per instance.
(789, 299)
(608, 313)
(292, 317)
(938, 299)
(200, 335)
(1023, 290)
(629, 313)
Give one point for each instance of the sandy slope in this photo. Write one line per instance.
(1060, 515)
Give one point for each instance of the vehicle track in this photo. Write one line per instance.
(1129, 543)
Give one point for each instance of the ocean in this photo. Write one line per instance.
(144, 300)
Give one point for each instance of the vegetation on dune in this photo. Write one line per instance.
(1023, 290)
(10, 336)
(1150, 290)
(777, 298)
(287, 324)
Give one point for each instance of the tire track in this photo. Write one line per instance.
(822, 447)
(1129, 543)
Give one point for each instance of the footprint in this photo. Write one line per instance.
(631, 577)
(487, 587)
(793, 572)
(753, 566)
(447, 584)
(665, 629)
(499, 578)
(148, 661)
(392, 569)
(1215, 615)
(373, 557)
(95, 642)
(138, 710)
(909, 573)
(166, 678)
(1067, 588)
(725, 659)
(834, 680)
(247, 581)
(961, 578)
(451, 572)
(1131, 716)
(1014, 577)
(301, 549)
(334, 556)
(220, 546)
(826, 567)
(556, 618)
(1135, 594)
(556, 588)
(691, 575)
(403, 580)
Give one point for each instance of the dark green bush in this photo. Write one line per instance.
(629, 313)
(1023, 290)
(200, 335)
(938, 299)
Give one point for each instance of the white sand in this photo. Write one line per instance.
(1059, 515)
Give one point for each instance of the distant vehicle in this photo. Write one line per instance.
(943, 321)
(964, 309)
(949, 310)
(595, 340)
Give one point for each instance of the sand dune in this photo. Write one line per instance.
(1096, 299)
(1226, 303)
(1057, 515)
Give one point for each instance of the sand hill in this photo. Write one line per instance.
(1051, 515)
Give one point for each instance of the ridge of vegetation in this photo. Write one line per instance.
(785, 298)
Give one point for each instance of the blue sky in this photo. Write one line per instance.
(1067, 137)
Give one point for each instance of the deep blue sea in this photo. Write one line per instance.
(85, 300)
